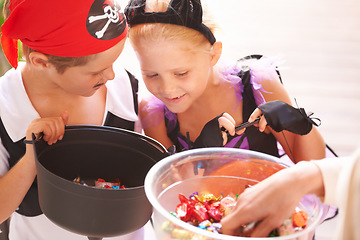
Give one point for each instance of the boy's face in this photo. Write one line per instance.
(87, 79)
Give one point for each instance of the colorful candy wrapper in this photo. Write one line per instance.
(206, 211)
(101, 183)
(299, 218)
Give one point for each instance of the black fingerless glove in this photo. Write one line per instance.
(211, 135)
(281, 116)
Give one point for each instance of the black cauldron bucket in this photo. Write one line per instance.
(92, 152)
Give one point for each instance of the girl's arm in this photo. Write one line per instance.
(153, 123)
(297, 147)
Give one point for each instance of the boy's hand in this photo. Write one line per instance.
(53, 128)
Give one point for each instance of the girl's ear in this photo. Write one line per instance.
(39, 60)
(216, 52)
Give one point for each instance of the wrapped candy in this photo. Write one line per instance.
(299, 218)
(286, 228)
(206, 211)
(101, 183)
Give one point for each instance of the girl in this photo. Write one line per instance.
(69, 60)
(179, 58)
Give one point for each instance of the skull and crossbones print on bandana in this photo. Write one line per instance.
(64, 28)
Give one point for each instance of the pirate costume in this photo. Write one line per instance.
(16, 113)
(67, 29)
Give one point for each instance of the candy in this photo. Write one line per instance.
(299, 218)
(101, 183)
(178, 233)
(228, 203)
(167, 226)
(205, 211)
(207, 197)
(182, 212)
(286, 228)
(205, 224)
(78, 180)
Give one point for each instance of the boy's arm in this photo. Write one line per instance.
(16, 182)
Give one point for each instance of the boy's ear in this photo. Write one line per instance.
(38, 59)
(216, 52)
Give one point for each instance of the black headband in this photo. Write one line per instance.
(187, 13)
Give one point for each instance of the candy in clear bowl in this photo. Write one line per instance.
(217, 171)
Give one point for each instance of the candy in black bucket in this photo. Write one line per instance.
(93, 152)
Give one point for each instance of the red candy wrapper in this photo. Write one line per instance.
(206, 211)
(101, 183)
(197, 209)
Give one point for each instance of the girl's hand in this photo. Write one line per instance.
(53, 128)
(262, 124)
(214, 133)
(227, 122)
(282, 116)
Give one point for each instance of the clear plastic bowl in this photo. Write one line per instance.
(217, 171)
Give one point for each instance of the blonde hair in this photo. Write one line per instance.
(155, 31)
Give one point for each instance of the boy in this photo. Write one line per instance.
(70, 49)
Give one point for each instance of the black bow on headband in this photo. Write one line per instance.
(187, 13)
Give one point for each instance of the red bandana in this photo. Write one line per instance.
(64, 28)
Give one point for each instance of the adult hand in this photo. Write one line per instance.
(273, 200)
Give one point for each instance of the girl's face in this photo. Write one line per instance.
(87, 79)
(173, 72)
